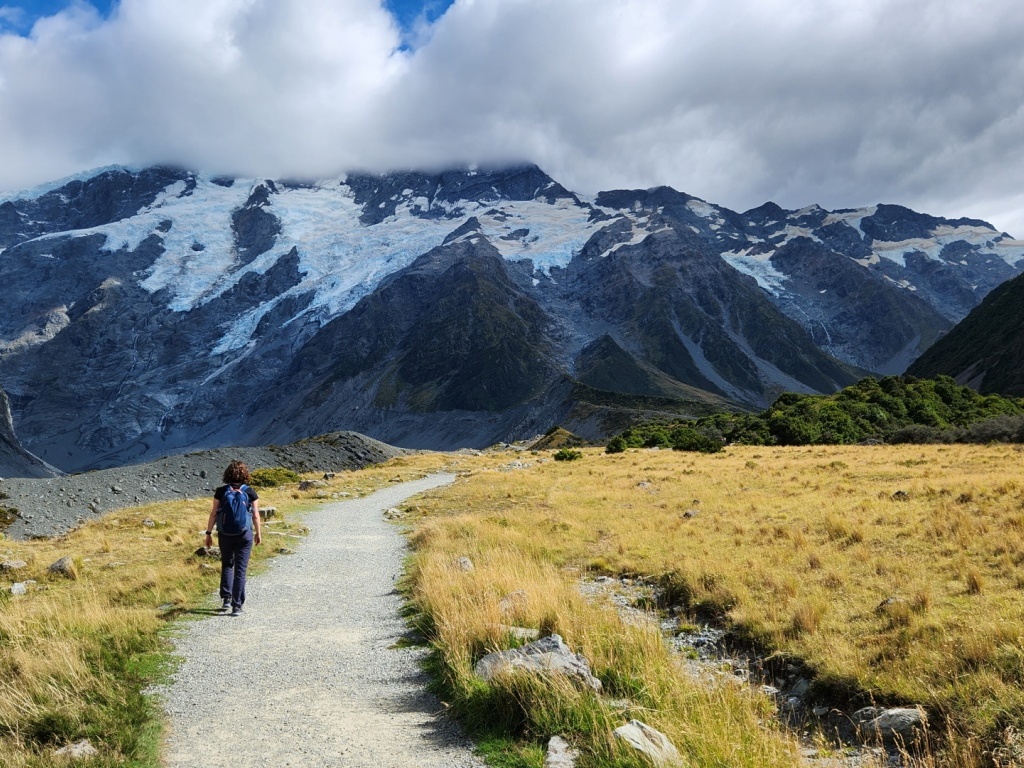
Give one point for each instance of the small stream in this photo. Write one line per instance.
(827, 736)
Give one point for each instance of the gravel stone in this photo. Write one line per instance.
(310, 674)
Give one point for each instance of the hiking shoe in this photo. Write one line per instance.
(236, 611)
(226, 606)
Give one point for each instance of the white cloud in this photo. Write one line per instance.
(916, 102)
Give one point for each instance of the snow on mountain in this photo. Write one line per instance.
(157, 285)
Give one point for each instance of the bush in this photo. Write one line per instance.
(616, 445)
(898, 409)
(271, 477)
(688, 439)
(567, 454)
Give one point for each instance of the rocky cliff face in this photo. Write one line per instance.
(15, 461)
(986, 349)
(155, 310)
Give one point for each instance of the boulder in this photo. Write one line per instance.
(394, 513)
(64, 567)
(208, 552)
(268, 512)
(513, 600)
(78, 751)
(20, 587)
(560, 754)
(547, 656)
(900, 725)
(650, 742)
(12, 565)
(465, 564)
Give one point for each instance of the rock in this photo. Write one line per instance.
(268, 512)
(64, 567)
(19, 587)
(328, 475)
(520, 633)
(208, 552)
(113, 565)
(800, 688)
(513, 600)
(650, 742)
(148, 523)
(547, 656)
(309, 485)
(393, 514)
(116, 489)
(12, 565)
(901, 725)
(690, 513)
(78, 750)
(888, 603)
(465, 564)
(900, 496)
(202, 474)
(206, 567)
(560, 754)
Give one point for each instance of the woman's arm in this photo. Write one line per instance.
(256, 536)
(210, 521)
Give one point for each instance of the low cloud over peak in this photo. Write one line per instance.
(915, 102)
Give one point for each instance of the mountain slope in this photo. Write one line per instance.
(986, 349)
(149, 310)
(15, 461)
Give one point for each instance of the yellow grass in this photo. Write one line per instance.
(76, 654)
(796, 547)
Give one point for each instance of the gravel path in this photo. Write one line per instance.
(309, 675)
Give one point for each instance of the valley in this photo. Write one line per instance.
(886, 575)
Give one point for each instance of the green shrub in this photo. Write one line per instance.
(616, 445)
(271, 477)
(891, 409)
(567, 454)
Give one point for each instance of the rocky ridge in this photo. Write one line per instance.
(51, 506)
(153, 311)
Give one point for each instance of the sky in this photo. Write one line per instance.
(837, 102)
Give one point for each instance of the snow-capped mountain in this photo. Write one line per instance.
(152, 310)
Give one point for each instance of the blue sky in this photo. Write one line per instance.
(844, 104)
(19, 17)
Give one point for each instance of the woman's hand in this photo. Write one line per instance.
(209, 540)
(256, 538)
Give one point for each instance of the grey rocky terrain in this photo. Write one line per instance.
(150, 312)
(51, 506)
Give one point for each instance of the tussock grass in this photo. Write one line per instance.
(795, 548)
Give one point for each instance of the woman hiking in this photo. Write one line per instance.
(236, 511)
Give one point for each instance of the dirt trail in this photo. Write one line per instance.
(309, 675)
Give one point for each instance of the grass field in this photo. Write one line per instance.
(794, 548)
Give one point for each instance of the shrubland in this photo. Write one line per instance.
(894, 409)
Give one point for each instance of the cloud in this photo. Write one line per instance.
(919, 102)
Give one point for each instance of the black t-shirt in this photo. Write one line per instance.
(219, 493)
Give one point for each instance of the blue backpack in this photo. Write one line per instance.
(234, 511)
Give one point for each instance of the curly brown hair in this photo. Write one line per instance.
(236, 473)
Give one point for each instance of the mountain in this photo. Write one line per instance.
(15, 461)
(986, 349)
(157, 310)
